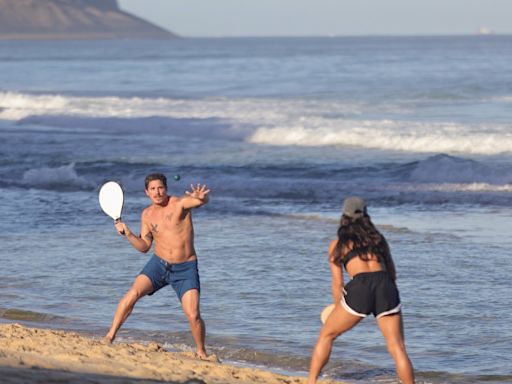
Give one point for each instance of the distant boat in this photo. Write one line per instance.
(486, 31)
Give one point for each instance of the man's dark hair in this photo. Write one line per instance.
(155, 176)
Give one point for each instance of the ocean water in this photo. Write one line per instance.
(281, 130)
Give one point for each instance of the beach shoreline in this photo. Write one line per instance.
(36, 355)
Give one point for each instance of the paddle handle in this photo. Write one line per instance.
(117, 221)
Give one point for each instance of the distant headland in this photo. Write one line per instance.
(73, 20)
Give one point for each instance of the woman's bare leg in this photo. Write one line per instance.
(338, 322)
(392, 328)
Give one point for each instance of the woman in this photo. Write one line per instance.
(365, 254)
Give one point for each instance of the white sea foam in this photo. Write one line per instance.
(453, 187)
(269, 121)
(16, 106)
(473, 187)
(506, 99)
(407, 136)
(64, 177)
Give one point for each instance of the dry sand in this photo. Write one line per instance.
(31, 355)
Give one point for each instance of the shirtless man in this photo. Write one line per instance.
(167, 222)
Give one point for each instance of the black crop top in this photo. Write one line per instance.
(361, 251)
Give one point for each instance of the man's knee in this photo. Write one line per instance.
(132, 296)
(190, 304)
(193, 315)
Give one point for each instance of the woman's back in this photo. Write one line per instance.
(354, 263)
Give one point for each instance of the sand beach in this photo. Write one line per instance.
(281, 130)
(33, 355)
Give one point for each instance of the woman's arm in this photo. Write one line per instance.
(336, 273)
(390, 265)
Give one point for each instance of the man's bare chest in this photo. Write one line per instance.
(168, 222)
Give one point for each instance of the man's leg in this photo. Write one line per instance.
(392, 328)
(190, 304)
(140, 288)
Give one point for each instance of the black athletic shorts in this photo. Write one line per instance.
(371, 292)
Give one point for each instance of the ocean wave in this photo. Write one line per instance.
(268, 121)
(18, 106)
(15, 106)
(404, 136)
(63, 178)
(506, 99)
(470, 187)
(262, 189)
(443, 168)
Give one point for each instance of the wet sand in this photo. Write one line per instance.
(32, 355)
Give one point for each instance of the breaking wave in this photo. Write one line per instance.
(62, 178)
(277, 122)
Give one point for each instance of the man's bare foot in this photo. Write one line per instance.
(211, 358)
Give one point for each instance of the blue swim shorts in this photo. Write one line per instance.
(182, 276)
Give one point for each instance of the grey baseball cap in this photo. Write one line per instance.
(354, 207)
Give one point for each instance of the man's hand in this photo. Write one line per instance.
(121, 228)
(198, 192)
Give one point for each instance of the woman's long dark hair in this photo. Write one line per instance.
(360, 233)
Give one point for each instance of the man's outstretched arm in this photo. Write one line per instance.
(197, 197)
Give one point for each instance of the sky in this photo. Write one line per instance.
(229, 18)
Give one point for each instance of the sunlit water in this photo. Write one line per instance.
(281, 130)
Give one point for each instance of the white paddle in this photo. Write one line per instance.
(326, 313)
(112, 199)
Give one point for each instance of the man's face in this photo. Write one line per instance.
(156, 191)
